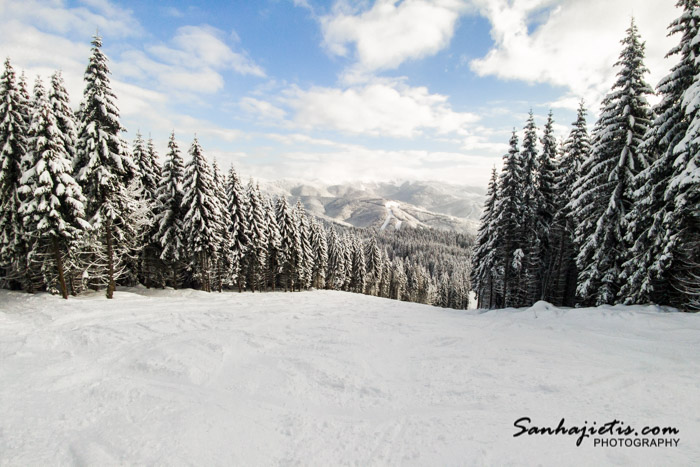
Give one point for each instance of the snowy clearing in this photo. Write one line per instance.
(328, 378)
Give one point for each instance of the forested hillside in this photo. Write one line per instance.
(83, 209)
(610, 218)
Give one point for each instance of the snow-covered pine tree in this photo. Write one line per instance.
(38, 96)
(154, 163)
(373, 259)
(359, 271)
(256, 253)
(104, 168)
(423, 294)
(138, 153)
(460, 289)
(486, 272)
(335, 277)
(319, 250)
(563, 276)
(147, 168)
(307, 258)
(509, 219)
(291, 243)
(607, 178)
(65, 117)
(412, 281)
(202, 216)
(25, 99)
(35, 270)
(222, 267)
(530, 245)
(275, 255)
(544, 207)
(152, 271)
(385, 283)
(13, 147)
(664, 266)
(348, 249)
(397, 286)
(236, 222)
(52, 202)
(170, 214)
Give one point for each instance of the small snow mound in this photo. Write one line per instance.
(541, 306)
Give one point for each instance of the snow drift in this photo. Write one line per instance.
(328, 378)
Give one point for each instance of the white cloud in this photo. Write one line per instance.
(262, 108)
(392, 32)
(55, 16)
(576, 44)
(203, 46)
(136, 101)
(365, 164)
(481, 144)
(362, 165)
(379, 108)
(193, 62)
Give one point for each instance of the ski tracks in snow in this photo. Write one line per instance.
(328, 378)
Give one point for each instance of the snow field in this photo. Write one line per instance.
(332, 378)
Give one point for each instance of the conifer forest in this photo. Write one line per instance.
(83, 209)
(610, 217)
(604, 217)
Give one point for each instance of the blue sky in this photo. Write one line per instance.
(341, 90)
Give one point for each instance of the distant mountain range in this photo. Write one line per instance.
(388, 204)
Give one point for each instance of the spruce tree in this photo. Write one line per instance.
(222, 267)
(575, 151)
(170, 214)
(373, 259)
(486, 272)
(358, 272)
(256, 254)
(291, 243)
(103, 166)
(509, 220)
(65, 117)
(13, 147)
(147, 169)
(52, 205)
(25, 99)
(607, 178)
(530, 245)
(398, 283)
(385, 282)
(663, 266)
(544, 208)
(306, 263)
(349, 251)
(319, 250)
(236, 222)
(202, 214)
(335, 277)
(275, 254)
(152, 271)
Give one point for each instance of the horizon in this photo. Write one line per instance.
(349, 92)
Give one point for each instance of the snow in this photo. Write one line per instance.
(390, 214)
(330, 378)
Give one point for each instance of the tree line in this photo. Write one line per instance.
(82, 209)
(609, 218)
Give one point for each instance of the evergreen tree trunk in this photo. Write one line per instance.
(110, 259)
(59, 267)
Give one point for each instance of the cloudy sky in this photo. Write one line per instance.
(341, 90)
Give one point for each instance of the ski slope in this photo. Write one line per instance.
(330, 378)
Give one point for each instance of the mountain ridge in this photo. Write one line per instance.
(418, 204)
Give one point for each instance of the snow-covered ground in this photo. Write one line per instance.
(331, 378)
